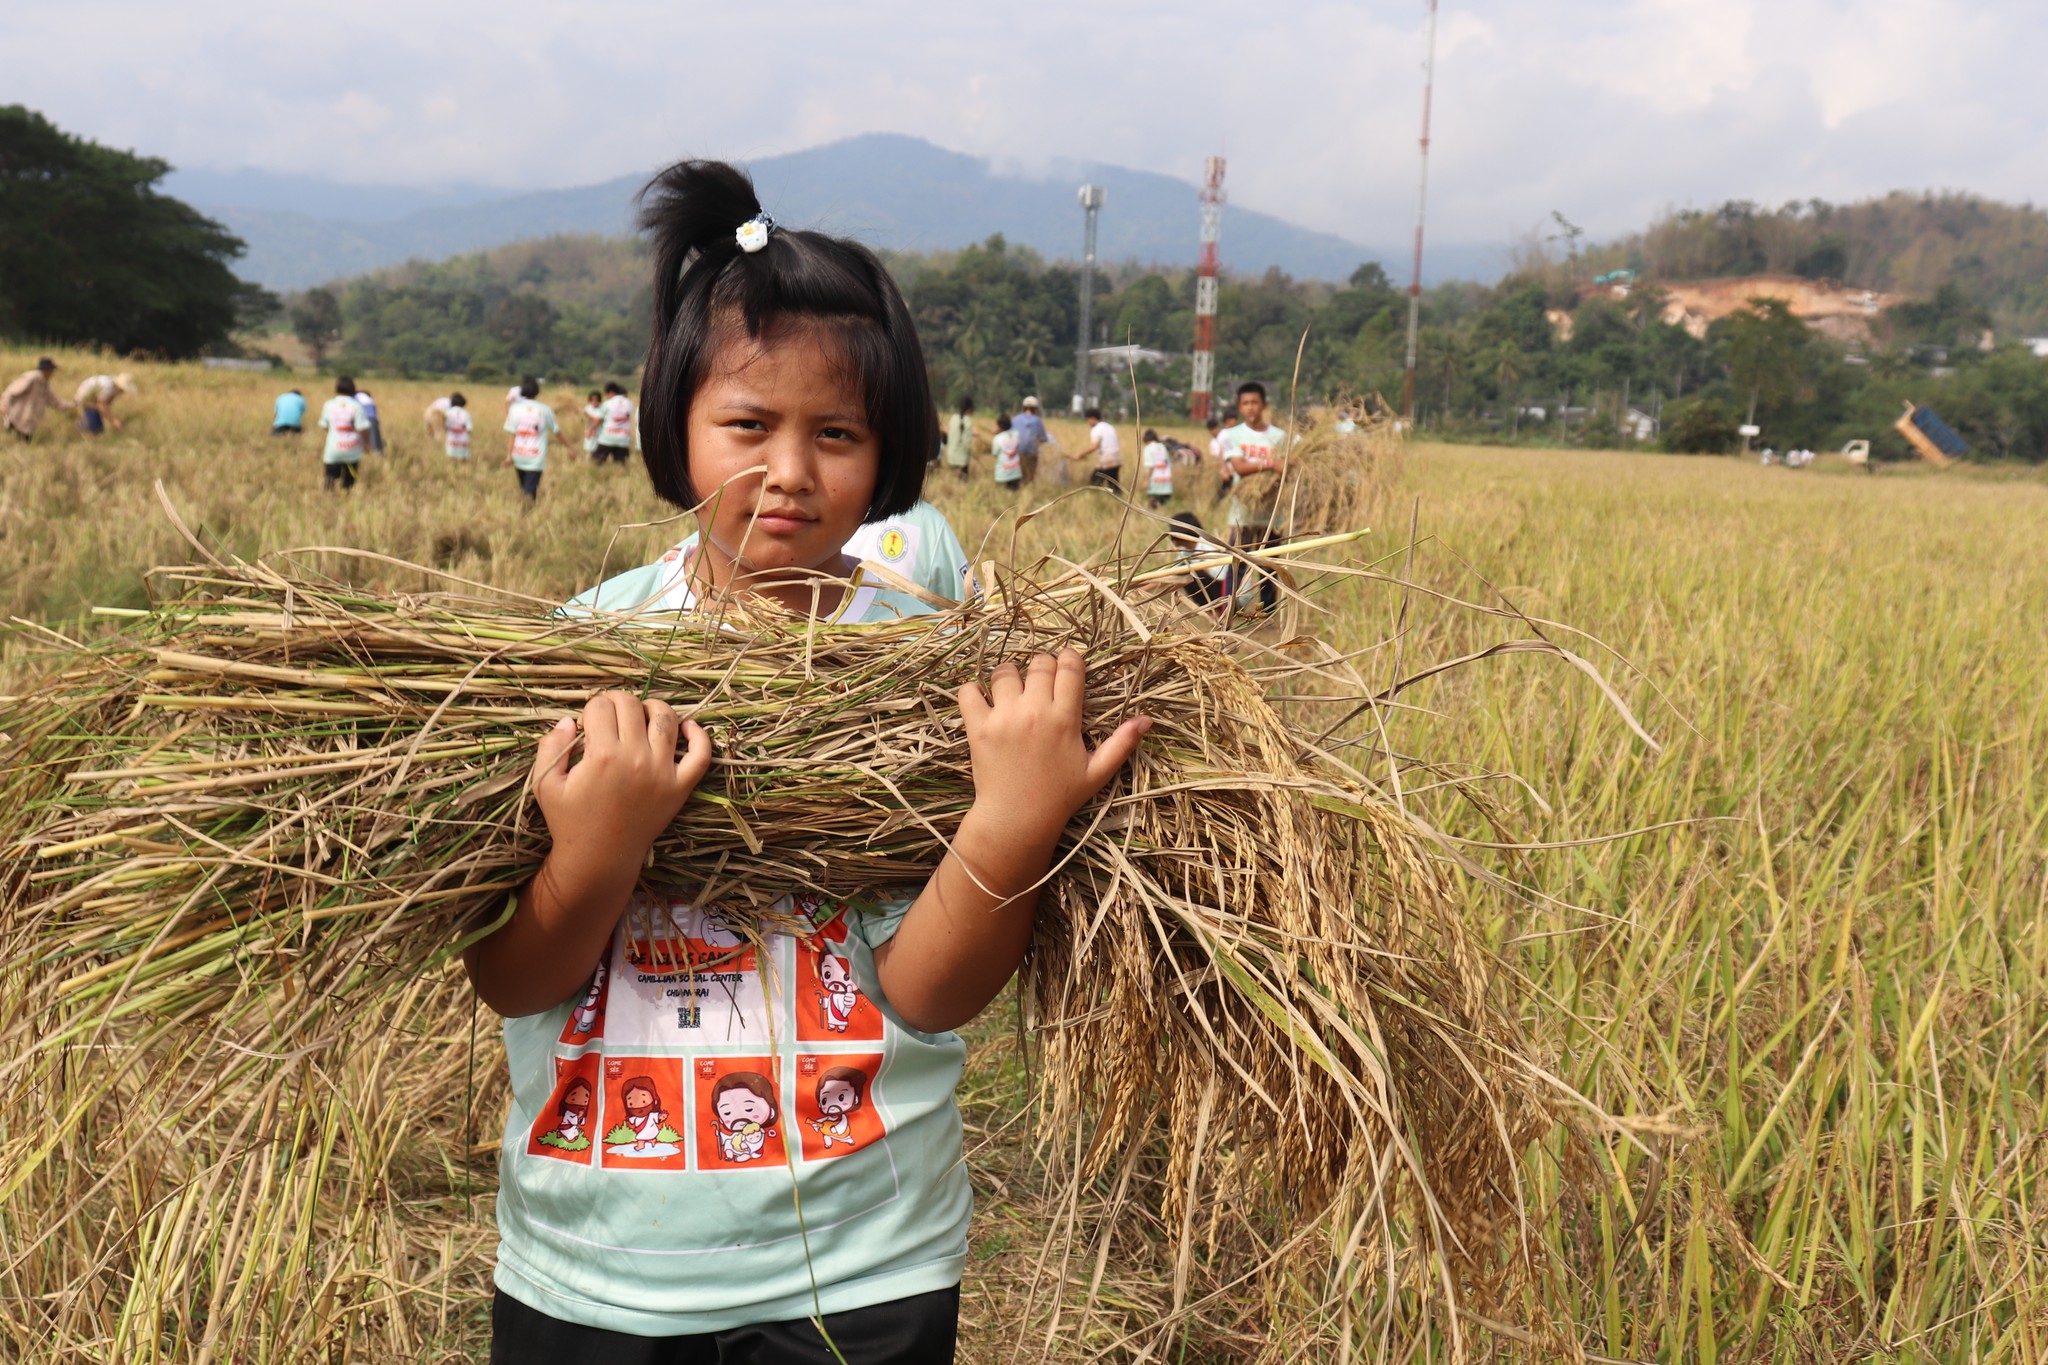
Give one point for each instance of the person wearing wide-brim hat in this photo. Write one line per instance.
(26, 399)
(96, 401)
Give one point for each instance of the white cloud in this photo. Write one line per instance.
(1605, 109)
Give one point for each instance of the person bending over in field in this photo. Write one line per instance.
(787, 397)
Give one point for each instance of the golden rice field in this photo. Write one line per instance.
(1797, 957)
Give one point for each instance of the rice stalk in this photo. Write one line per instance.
(261, 820)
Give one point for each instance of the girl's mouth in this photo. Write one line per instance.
(781, 523)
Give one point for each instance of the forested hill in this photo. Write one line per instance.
(1994, 255)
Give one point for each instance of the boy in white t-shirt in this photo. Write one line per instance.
(1009, 462)
(457, 426)
(1156, 461)
(1108, 452)
(1255, 462)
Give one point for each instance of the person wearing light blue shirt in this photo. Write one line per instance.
(1031, 435)
(289, 419)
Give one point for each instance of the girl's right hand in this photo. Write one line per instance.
(606, 810)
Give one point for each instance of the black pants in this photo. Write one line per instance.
(920, 1330)
(529, 483)
(1253, 538)
(605, 452)
(287, 430)
(337, 473)
(1111, 478)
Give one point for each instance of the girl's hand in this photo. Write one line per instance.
(609, 808)
(1032, 770)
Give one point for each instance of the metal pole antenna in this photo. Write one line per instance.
(1091, 204)
(1202, 374)
(1421, 210)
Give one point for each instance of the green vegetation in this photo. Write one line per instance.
(92, 253)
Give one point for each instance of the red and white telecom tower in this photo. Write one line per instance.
(1204, 378)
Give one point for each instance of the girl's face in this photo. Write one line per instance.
(780, 445)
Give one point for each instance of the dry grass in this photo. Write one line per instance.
(1820, 1000)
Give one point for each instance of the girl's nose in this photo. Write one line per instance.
(791, 464)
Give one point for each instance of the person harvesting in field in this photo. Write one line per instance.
(28, 396)
(1157, 463)
(288, 414)
(1254, 462)
(786, 394)
(459, 426)
(96, 401)
(615, 435)
(960, 440)
(593, 423)
(1108, 451)
(1032, 437)
(1009, 471)
(341, 417)
(531, 422)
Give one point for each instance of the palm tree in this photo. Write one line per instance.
(1507, 372)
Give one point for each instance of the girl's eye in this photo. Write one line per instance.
(838, 434)
(745, 424)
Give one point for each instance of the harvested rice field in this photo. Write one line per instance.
(1754, 900)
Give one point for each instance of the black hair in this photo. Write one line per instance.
(966, 406)
(1002, 421)
(614, 387)
(1151, 435)
(1186, 525)
(704, 284)
(1215, 423)
(595, 394)
(1252, 386)
(1093, 414)
(529, 387)
(456, 400)
(295, 391)
(46, 365)
(345, 387)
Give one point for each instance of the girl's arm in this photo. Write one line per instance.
(964, 937)
(603, 815)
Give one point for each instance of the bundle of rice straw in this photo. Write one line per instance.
(255, 826)
(1338, 478)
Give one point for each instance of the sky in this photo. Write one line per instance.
(1607, 111)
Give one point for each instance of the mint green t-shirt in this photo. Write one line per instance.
(345, 423)
(531, 422)
(920, 545)
(669, 1121)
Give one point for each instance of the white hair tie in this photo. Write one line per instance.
(752, 235)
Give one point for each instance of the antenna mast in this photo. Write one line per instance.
(1421, 210)
(1091, 204)
(1203, 380)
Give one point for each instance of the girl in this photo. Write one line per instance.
(459, 425)
(1157, 462)
(1009, 464)
(593, 423)
(786, 393)
(960, 439)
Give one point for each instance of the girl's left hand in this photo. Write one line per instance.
(1032, 769)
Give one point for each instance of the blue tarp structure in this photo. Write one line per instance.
(1941, 433)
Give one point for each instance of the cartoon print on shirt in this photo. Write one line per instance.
(573, 1116)
(830, 1003)
(840, 1091)
(743, 1113)
(644, 1123)
(645, 1130)
(835, 1101)
(587, 1019)
(838, 993)
(564, 1125)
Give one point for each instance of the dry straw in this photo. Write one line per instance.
(245, 837)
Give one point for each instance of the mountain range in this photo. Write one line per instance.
(885, 189)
